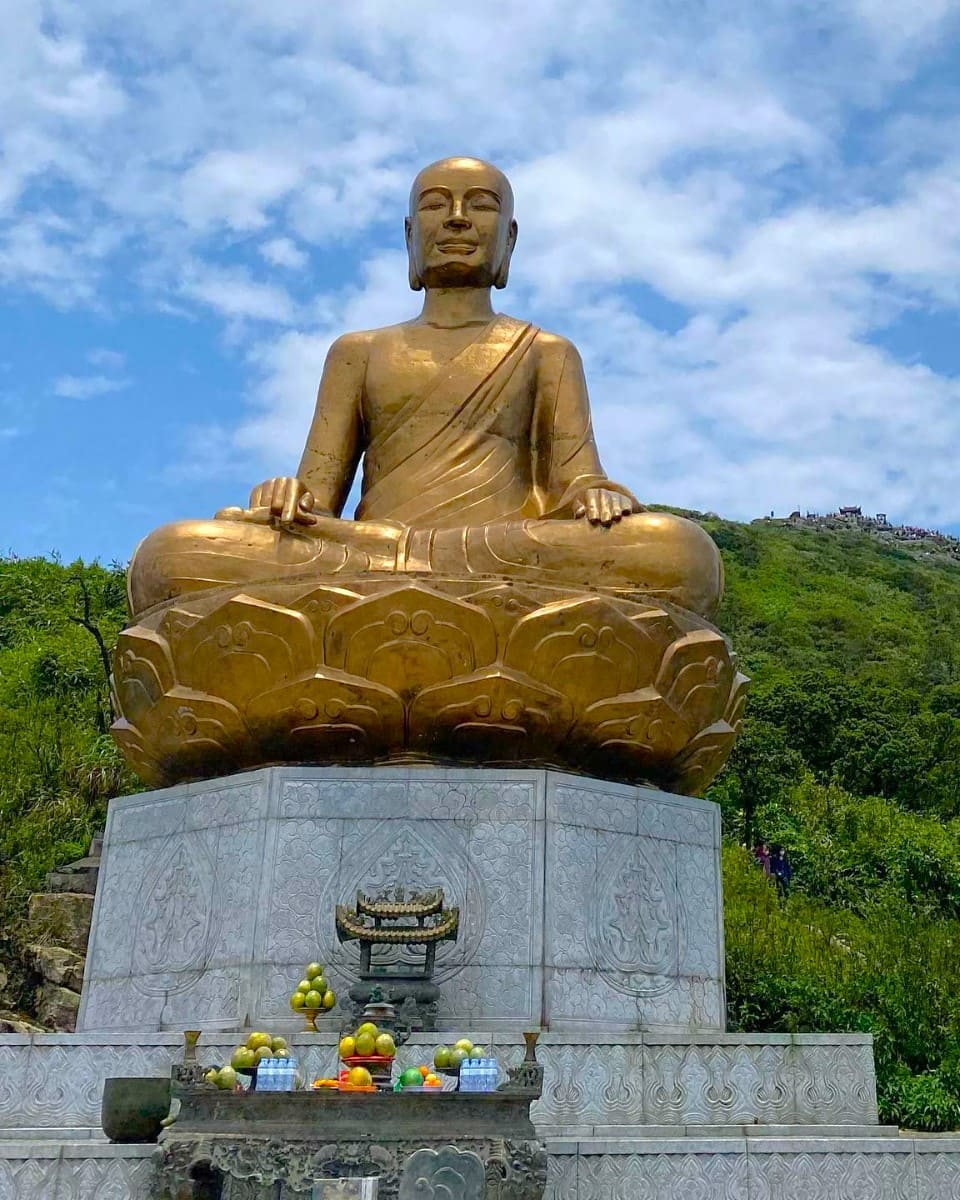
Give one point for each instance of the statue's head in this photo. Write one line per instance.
(460, 231)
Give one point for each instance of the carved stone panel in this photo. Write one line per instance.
(581, 903)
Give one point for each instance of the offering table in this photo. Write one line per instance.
(279, 1145)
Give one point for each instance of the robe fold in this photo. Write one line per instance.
(440, 460)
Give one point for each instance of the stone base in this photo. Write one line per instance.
(646, 1117)
(731, 1168)
(591, 1088)
(583, 904)
(74, 1170)
(755, 1168)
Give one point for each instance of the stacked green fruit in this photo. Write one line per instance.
(257, 1047)
(312, 993)
(368, 1042)
(451, 1058)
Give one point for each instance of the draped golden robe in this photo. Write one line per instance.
(479, 472)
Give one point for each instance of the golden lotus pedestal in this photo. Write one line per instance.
(384, 668)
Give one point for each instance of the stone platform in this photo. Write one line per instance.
(583, 904)
(597, 1087)
(622, 1117)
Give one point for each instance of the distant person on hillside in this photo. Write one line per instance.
(761, 852)
(781, 870)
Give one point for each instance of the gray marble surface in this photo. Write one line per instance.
(797, 1168)
(584, 904)
(605, 1087)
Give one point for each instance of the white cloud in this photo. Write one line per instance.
(766, 170)
(283, 252)
(108, 360)
(233, 294)
(84, 387)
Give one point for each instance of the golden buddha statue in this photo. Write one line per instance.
(477, 446)
(489, 550)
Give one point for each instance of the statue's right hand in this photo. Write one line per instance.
(285, 500)
(281, 501)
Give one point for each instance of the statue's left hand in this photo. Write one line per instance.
(601, 506)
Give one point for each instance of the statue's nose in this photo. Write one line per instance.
(457, 220)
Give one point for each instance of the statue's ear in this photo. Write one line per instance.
(503, 271)
(416, 283)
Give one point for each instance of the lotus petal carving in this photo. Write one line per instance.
(378, 669)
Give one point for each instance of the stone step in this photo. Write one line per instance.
(755, 1168)
(40, 1133)
(46, 1169)
(647, 1168)
(591, 1133)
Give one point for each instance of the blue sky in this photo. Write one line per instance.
(747, 216)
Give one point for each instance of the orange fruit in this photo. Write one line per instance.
(424, 1072)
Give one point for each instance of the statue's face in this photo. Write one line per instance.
(460, 232)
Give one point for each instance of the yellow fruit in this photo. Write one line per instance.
(313, 1000)
(278, 1043)
(431, 1081)
(263, 1052)
(360, 1077)
(298, 1000)
(329, 999)
(313, 970)
(385, 1045)
(441, 1057)
(367, 1027)
(464, 1044)
(366, 1044)
(283, 1052)
(304, 986)
(256, 1040)
(211, 1075)
(348, 1047)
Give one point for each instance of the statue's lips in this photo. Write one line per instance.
(457, 247)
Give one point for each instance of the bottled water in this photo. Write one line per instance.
(479, 1075)
(265, 1076)
(277, 1075)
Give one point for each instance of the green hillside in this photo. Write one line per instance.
(850, 759)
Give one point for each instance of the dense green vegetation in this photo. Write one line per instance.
(58, 764)
(850, 759)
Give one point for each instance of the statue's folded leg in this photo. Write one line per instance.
(191, 556)
(656, 554)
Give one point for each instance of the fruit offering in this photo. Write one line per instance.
(451, 1058)
(312, 996)
(418, 1077)
(246, 1058)
(368, 1042)
(225, 1078)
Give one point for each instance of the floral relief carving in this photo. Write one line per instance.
(173, 925)
(635, 914)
